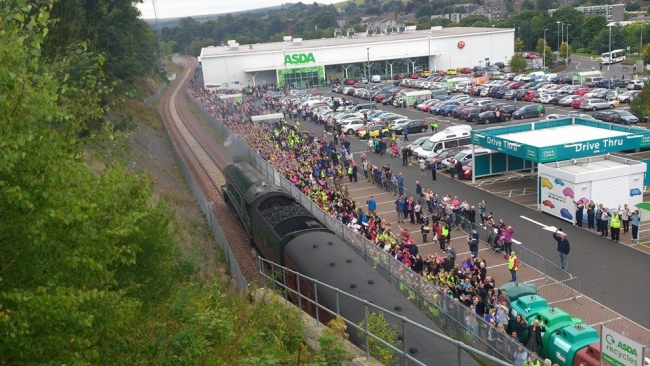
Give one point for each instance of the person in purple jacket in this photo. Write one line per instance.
(507, 239)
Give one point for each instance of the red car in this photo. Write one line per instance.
(413, 75)
(349, 81)
(467, 171)
(533, 55)
(466, 70)
(529, 96)
(398, 77)
(576, 103)
(517, 85)
(581, 91)
(380, 98)
(429, 105)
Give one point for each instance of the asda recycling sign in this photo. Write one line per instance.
(619, 350)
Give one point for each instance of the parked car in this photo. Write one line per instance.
(635, 85)
(581, 91)
(624, 117)
(412, 126)
(567, 100)
(465, 70)
(350, 126)
(488, 117)
(529, 111)
(595, 104)
(557, 116)
(451, 72)
(627, 96)
(374, 131)
(577, 102)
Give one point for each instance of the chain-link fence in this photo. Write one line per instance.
(153, 98)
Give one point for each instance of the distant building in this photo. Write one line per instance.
(613, 13)
(454, 17)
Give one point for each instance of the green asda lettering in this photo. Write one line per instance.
(299, 58)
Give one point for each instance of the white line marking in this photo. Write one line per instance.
(544, 226)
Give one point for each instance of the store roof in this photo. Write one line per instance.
(561, 135)
(557, 140)
(359, 38)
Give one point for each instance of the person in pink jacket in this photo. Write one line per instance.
(507, 239)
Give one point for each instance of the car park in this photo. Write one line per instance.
(529, 111)
(451, 72)
(595, 104)
(575, 103)
(471, 114)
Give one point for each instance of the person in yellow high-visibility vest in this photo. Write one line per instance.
(615, 225)
(513, 266)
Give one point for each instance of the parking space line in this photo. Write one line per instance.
(498, 265)
(606, 321)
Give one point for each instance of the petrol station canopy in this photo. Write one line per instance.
(562, 139)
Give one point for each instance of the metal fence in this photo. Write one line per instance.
(153, 98)
(206, 207)
(276, 275)
(449, 314)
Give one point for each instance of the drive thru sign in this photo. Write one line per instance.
(619, 350)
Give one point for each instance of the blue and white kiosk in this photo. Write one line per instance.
(573, 161)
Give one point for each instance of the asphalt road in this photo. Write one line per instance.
(611, 274)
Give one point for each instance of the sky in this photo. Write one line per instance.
(185, 8)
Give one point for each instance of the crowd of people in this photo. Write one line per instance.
(323, 167)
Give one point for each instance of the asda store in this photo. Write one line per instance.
(303, 63)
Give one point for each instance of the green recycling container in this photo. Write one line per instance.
(516, 290)
(564, 344)
(552, 319)
(527, 306)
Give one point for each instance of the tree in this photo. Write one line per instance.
(640, 106)
(646, 55)
(564, 47)
(517, 63)
(519, 45)
(527, 5)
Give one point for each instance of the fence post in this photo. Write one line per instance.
(367, 333)
(316, 308)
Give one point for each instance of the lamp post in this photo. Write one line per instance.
(429, 58)
(284, 76)
(609, 59)
(559, 39)
(368, 70)
(567, 44)
(544, 48)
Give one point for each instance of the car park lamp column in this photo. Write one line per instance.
(284, 76)
(609, 60)
(368, 71)
(559, 40)
(544, 57)
(568, 49)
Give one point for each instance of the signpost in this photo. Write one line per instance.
(619, 350)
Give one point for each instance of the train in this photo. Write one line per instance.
(286, 233)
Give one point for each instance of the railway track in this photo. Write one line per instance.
(191, 138)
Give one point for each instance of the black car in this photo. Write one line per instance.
(611, 83)
(413, 126)
(508, 109)
(472, 114)
(529, 111)
(557, 97)
(605, 116)
(492, 117)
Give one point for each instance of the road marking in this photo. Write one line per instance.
(498, 265)
(544, 226)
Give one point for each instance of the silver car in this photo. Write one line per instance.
(595, 104)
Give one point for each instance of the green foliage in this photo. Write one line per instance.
(564, 48)
(517, 63)
(646, 54)
(332, 352)
(640, 106)
(382, 329)
(519, 45)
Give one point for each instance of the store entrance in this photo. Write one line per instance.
(303, 77)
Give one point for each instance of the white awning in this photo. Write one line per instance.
(267, 117)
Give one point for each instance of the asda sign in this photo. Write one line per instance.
(299, 58)
(619, 350)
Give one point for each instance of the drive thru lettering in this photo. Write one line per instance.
(596, 146)
(299, 58)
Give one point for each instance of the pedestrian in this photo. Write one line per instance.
(424, 229)
(400, 184)
(534, 341)
(418, 189)
(452, 168)
(591, 213)
(519, 356)
(434, 126)
(405, 156)
(615, 224)
(636, 221)
(423, 165)
(580, 207)
(406, 134)
(513, 266)
(482, 211)
(507, 239)
(563, 247)
(459, 169)
(472, 242)
(372, 205)
(417, 209)
(433, 168)
(604, 222)
(540, 110)
(625, 217)
(400, 202)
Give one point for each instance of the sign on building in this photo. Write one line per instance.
(619, 350)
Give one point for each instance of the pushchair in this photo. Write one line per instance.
(394, 150)
(495, 241)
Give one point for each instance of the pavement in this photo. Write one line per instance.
(609, 272)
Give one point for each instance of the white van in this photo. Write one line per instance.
(533, 76)
(443, 140)
(375, 78)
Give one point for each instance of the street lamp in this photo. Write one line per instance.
(567, 45)
(284, 76)
(609, 59)
(559, 38)
(368, 70)
(544, 57)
